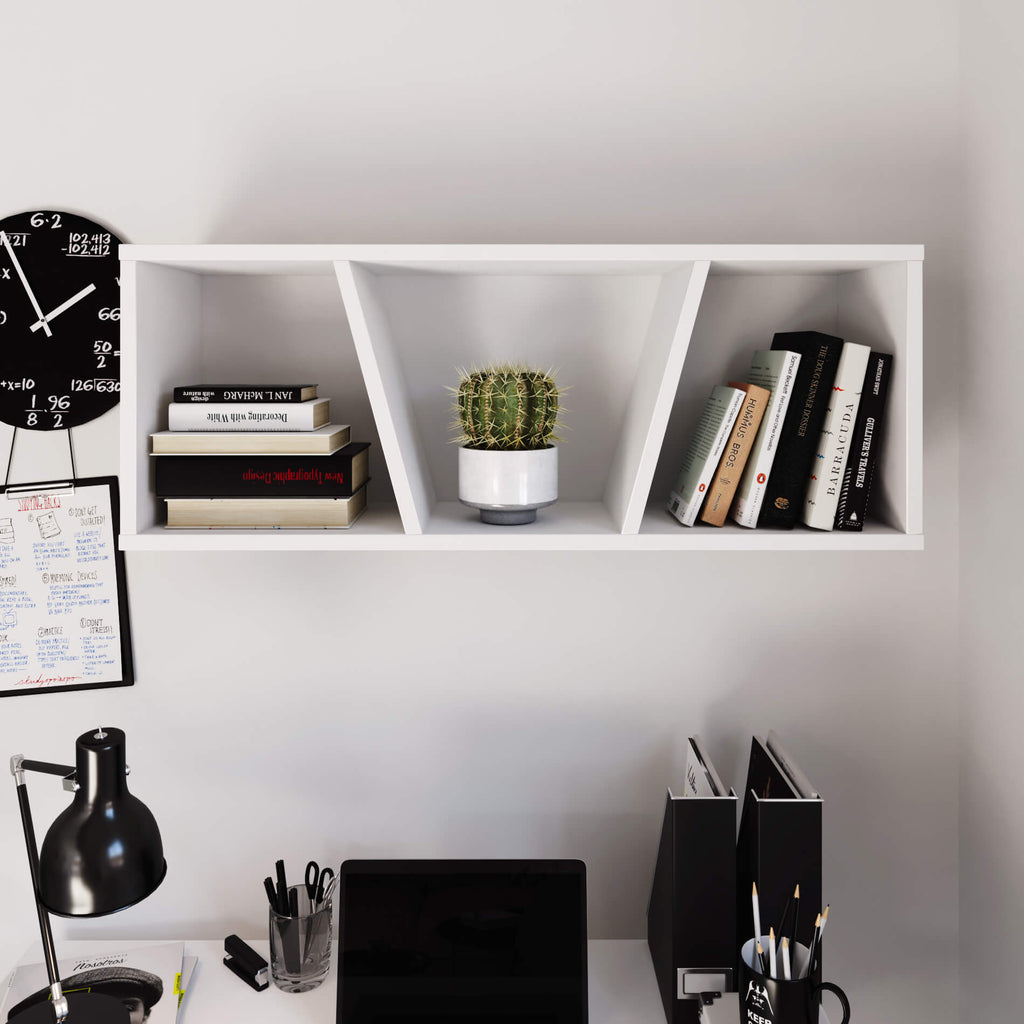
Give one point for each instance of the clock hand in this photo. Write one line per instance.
(43, 321)
(28, 290)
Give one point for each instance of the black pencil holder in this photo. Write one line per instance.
(766, 1000)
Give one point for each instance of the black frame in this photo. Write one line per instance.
(127, 655)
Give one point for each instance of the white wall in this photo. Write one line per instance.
(991, 752)
(329, 706)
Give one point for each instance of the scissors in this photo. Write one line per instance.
(317, 881)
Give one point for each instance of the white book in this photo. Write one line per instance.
(774, 369)
(705, 452)
(322, 441)
(249, 415)
(150, 974)
(822, 496)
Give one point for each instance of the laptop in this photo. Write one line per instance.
(463, 941)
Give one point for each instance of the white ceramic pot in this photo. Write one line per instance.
(508, 487)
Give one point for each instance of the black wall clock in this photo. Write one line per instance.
(60, 307)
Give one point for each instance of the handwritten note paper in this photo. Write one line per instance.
(63, 609)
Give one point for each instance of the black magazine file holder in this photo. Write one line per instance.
(779, 847)
(691, 917)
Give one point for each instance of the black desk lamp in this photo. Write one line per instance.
(103, 853)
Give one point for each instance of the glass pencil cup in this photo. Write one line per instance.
(300, 943)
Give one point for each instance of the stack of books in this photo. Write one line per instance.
(797, 442)
(248, 456)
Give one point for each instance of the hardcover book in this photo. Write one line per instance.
(829, 461)
(705, 451)
(267, 476)
(855, 491)
(775, 372)
(273, 513)
(819, 357)
(249, 415)
(269, 393)
(737, 451)
(322, 441)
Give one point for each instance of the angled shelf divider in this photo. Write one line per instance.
(638, 335)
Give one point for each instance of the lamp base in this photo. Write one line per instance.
(83, 1008)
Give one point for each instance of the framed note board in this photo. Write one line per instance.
(63, 602)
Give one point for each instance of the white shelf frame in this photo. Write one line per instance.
(161, 336)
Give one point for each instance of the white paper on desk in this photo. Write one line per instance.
(164, 961)
(188, 965)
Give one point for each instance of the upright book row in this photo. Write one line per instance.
(798, 441)
(253, 456)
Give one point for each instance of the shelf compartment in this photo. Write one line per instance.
(190, 325)
(877, 304)
(617, 338)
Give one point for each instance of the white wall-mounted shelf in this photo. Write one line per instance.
(639, 334)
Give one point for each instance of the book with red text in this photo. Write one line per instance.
(787, 484)
(263, 476)
(774, 371)
(829, 461)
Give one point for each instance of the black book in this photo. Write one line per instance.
(260, 393)
(855, 490)
(801, 430)
(338, 475)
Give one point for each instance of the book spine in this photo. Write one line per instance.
(784, 497)
(754, 481)
(734, 458)
(855, 491)
(240, 476)
(704, 453)
(216, 393)
(255, 416)
(242, 513)
(829, 461)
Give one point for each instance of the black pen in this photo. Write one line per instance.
(282, 889)
(268, 884)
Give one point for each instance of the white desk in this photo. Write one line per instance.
(622, 987)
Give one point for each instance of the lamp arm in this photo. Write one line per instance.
(60, 1003)
(47, 767)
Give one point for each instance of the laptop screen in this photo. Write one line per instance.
(470, 941)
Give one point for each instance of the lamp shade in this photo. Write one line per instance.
(103, 853)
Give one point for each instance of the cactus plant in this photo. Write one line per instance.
(507, 408)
